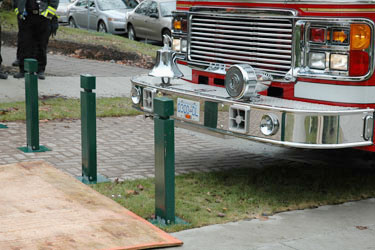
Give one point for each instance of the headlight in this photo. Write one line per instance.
(338, 62)
(179, 45)
(116, 19)
(136, 95)
(269, 124)
(317, 60)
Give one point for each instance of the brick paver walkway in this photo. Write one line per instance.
(125, 148)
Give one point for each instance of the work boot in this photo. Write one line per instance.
(41, 75)
(16, 63)
(3, 75)
(19, 75)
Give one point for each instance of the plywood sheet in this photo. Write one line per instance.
(44, 208)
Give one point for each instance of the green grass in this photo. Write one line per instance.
(62, 108)
(220, 197)
(115, 42)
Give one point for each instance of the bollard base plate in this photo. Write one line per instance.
(99, 179)
(3, 126)
(160, 222)
(30, 150)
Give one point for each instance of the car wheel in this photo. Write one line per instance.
(131, 33)
(168, 33)
(72, 23)
(102, 27)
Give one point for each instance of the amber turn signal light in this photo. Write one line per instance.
(340, 36)
(360, 36)
(177, 24)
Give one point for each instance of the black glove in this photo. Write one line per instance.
(54, 26)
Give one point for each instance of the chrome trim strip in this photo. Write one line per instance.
(210, 131)
(246, 53)
(286, 46)
(252, 22)
(348, 2)
(241, 32)
(243, 38)
(245, 48)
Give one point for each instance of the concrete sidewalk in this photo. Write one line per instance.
(125, 151)
(63, 77)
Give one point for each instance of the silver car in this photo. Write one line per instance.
(101, 15)
(151, 19)
(62, 10)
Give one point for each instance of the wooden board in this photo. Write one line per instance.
(44, 208)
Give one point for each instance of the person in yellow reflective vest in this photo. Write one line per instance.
(34, 31)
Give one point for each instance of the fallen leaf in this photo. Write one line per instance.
(131, 192)
(361, 227)
(221, 215)
(140, 187)
(45, 120)
(44, 109)
(225, 209)
(208, 209)
(262, 218)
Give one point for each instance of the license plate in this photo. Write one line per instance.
(188, 110)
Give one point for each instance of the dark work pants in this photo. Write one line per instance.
(18, 40)
(1, 59)
(34, 34)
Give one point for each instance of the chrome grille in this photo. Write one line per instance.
(264, 43)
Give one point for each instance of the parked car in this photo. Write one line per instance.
(101, 15)
(151, 19)
(62, 10)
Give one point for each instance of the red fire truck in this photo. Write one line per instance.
(293, 73)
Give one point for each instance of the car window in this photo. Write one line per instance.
(130, 4)
(142, 9)
(81, 3)
(153, 9)
(111, 4)
(166, 8)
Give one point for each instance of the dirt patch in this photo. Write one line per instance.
(87, 51)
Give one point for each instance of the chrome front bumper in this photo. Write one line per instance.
(301, 124)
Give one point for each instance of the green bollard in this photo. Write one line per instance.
(32, 108)
(164, 160)
(88, 132)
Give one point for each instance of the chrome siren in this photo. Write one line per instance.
(243, 82)
(165, 66)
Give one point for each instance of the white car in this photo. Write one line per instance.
(100, 15)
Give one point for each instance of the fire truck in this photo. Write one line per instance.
(292, 73)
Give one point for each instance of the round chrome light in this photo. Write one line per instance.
(240, 81)
(136, 95)
(269, 124)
